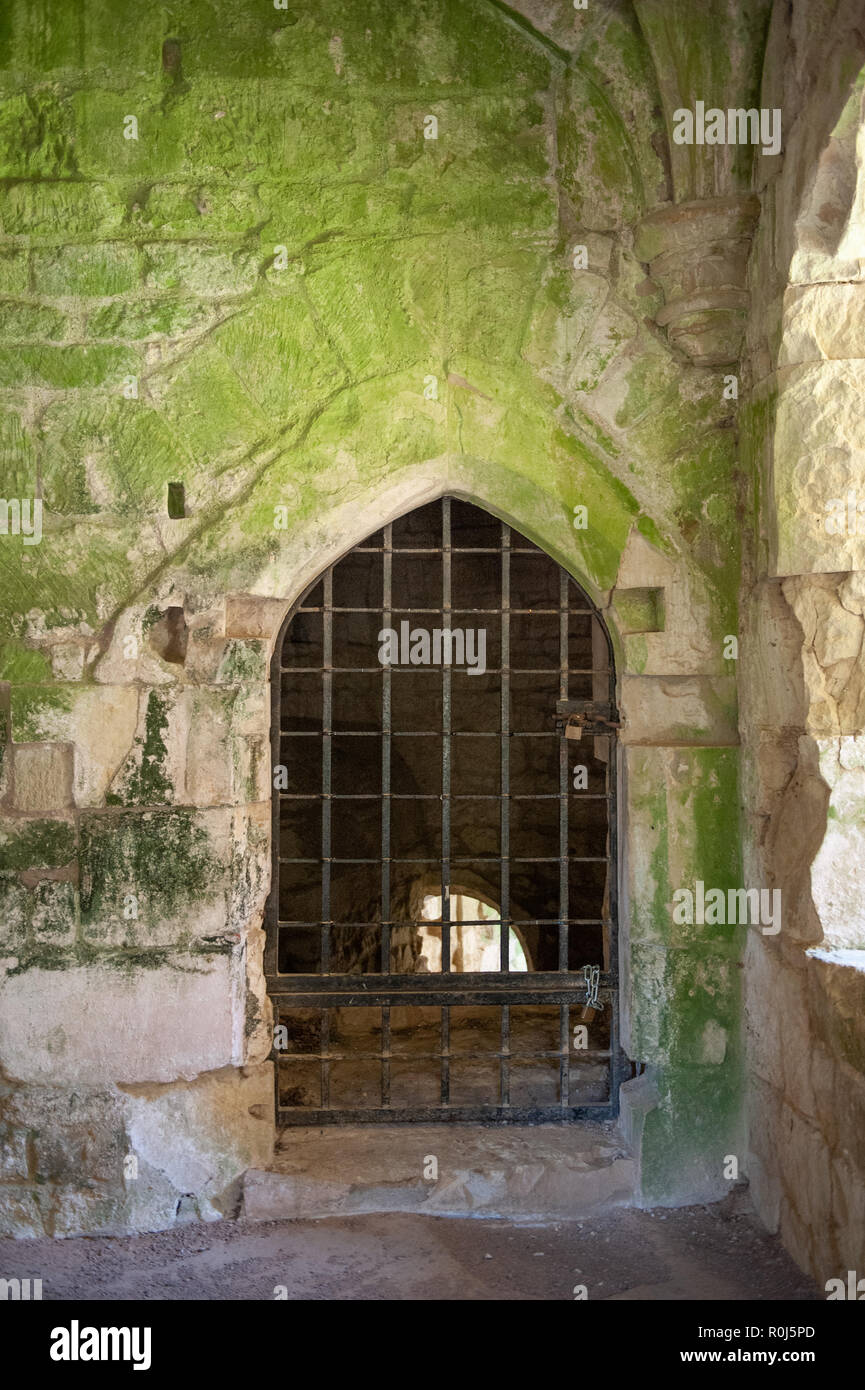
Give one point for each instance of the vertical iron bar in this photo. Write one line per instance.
(446, 805)
(385, 1054)
(386, 758)
(446, 739)
(563, 776)
(325, 1060)
(326, 755)
(505, 805)
(505, 887)
(387, 565)
(565, 1058)
(617, 1061)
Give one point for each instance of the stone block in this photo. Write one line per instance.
(101, 722)
(81, 209)
(43, 774)
(242, 661)
(805, 1164)
(198, 270)
(14, 914)
(21, 1215)
(14, 271)
(836, 982)
(253, 616)
(52, 911)
(818, 463)
(14, 1158)
(765, 974)
(129, 1022)
(79, 271)
(209, 771)
(679, 710)
(78, 1154)
(763, 1111)
(201, 1135)
(151, 878)
(31, 321)
(31, 843)
(66, 368)
(67, 661)
(481, 1172)
(822, 321)
(848, 1209)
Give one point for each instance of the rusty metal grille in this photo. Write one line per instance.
(410, 792)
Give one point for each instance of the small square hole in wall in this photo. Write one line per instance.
(176, 501)
(639, 610)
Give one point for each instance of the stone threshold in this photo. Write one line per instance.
(517, 1171)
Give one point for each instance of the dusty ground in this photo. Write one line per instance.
(691, 1253)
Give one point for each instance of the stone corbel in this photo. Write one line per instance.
(697, 253)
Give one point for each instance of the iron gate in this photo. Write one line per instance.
(406, 785)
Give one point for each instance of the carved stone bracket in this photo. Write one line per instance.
(698, 254)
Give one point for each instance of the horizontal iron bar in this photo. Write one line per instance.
(440, 550)
(433, 796)
(337, 992)
(427, 921)
(426, 733)
(456, 1114)
(464, 860)
(577, 1058)
(435, 670)
(454, 612)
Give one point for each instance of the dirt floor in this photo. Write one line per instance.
(692, 1253)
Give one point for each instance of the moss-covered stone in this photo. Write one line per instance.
(160, 858)
(143, 781)
(36, 844)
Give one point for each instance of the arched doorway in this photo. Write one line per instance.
(444, 733)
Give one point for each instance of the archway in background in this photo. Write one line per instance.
(422, 689)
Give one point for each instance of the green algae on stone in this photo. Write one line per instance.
(33, 707)
(36, 843)
(19, 663)
(162, 857)
(145, 783)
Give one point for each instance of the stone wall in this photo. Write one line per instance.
(802, 710)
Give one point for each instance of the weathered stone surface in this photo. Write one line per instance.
(248, 615)
(480, 1171)
(43, 777)
(837, 980)
(67, 660)
(836, 870)
(639, 610)
(818, 463)
(139, 1157)
(697, 252)
(833, 653)
(199, 1137)
(821, 322)
(153, 1023)
(791, 838)
(679, 710)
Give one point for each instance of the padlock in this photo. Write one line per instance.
(573, 730)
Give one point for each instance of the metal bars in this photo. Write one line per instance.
(349, 1005)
